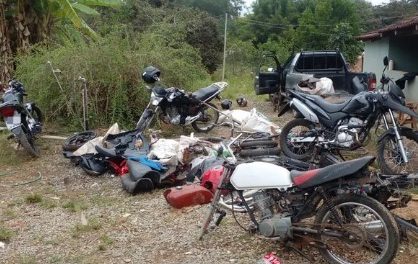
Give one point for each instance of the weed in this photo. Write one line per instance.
(75, 205)
(10, 213)
(27, 260)
(33, 198)
(6, 234)
(92, 225)
(48, 204)
(105, 241)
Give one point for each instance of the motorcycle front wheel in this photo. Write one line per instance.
(297, 128)
(389, 156)
(208, 120)
(28, 143)
(370, 233)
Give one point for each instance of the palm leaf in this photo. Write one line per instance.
(85, 9)
(107, 3)
(69, 12)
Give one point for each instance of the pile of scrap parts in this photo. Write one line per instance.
(141, 164)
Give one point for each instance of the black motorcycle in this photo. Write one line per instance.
(347, 126)
(24, 120)
(174, 106)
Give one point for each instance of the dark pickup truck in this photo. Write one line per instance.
(307, 64)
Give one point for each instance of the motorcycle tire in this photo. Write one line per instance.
(75, 141)
(206, 129)
(382, 161)
(386, 217)
(284, 135)
(37, 114)
(28, 144)
(258, 143)
(259, 152)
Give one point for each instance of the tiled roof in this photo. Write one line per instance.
(408, 24)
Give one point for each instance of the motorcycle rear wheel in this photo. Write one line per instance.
(208, 120)
(389, 156)
(379, 231)
(300, 151)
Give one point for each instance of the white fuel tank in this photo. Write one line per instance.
(260, 175)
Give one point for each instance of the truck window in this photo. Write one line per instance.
(319, 62)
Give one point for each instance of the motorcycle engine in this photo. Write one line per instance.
(271, 225)
(346, 136)
(172, 116)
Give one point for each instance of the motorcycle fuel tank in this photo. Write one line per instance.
(260, 175)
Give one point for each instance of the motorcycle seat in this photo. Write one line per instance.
(105, 152)
(325, 105)
(310, 178)
(205, 93)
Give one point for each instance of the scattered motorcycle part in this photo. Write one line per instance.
(188, 195)
(258, 143)
(259, 152)
(226, 104)
(242, 101)
(75, 141)
(208, 119)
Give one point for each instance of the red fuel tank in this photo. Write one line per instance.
(187, 195)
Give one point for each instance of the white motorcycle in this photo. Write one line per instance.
(349, 226)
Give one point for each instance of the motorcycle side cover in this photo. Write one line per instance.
(188, 195)
(260, 175)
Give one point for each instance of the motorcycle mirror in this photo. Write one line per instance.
(386, 61)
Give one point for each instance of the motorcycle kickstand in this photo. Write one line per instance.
(291, 246)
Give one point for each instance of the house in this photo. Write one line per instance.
(399, 42)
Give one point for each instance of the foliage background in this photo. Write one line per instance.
(184, 38)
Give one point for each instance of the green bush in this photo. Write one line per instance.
(112, 67)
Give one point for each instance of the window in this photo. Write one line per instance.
(319, 62)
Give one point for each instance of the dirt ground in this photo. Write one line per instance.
(52, 212)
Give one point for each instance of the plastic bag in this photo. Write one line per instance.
(257, 122)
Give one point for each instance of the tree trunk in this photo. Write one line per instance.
(6, 54)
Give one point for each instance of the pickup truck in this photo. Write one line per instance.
(307, 64)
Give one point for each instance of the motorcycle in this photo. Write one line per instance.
(349, 226)
(24, 120)
(347, 126)
(176, 107)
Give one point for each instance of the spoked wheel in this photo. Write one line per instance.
(77, 140)
(37, 114)
(208, 120)
(297, 129)
(28, 143)
(369, 231)
(389, 155)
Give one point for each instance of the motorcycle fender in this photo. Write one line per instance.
(304, 110)
(391, 131)
(392, 104)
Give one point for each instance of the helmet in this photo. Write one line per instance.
(241, 101)
(151, 75)
(226, 104)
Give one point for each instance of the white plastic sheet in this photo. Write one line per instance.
(250, 121)
(165, 150)
(322, 87)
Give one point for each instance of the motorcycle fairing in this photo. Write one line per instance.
(307, 179)
(260, 175)
(13, 121)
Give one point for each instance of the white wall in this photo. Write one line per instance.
(374, 52)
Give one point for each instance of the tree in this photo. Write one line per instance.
(25, 22)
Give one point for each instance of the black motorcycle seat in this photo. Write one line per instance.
(105, 152)
(310, 178)
(327, 106)
(205, 93)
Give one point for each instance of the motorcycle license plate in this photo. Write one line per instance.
(13, 121)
